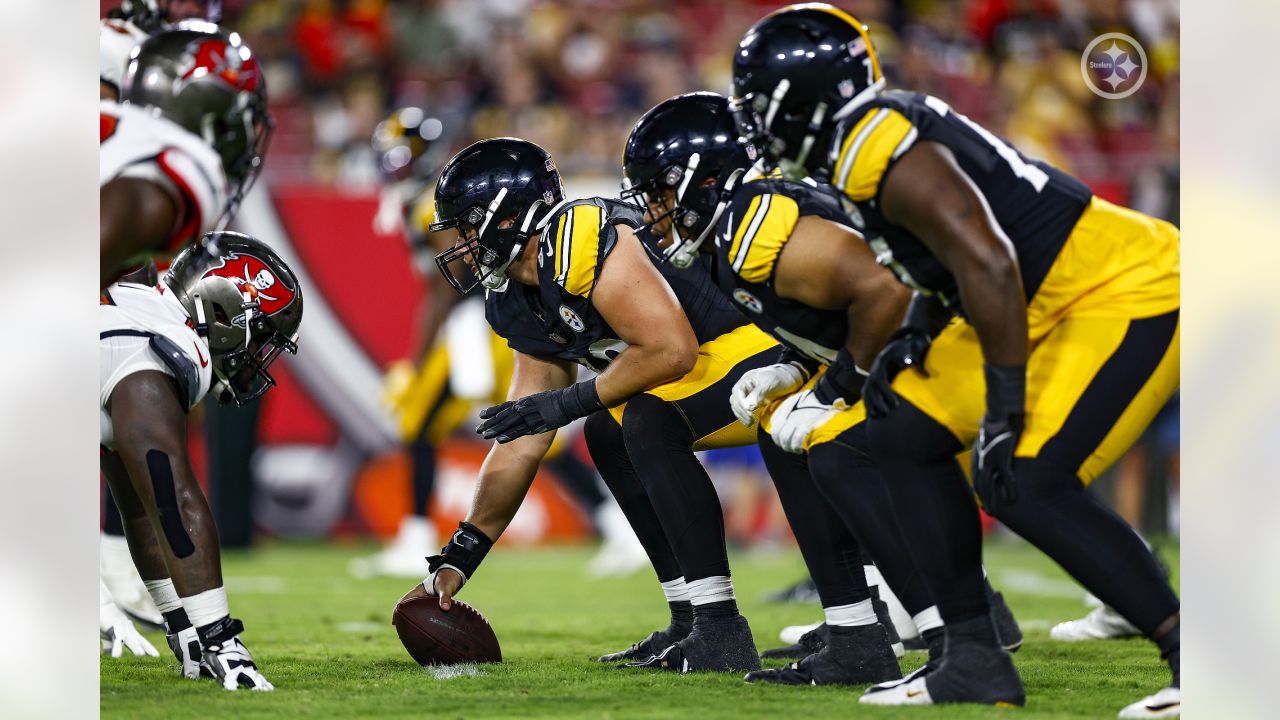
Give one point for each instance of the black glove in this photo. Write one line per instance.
(466, 549)
(539, 412)
(906, 348)
(993, 477)
(843, 380)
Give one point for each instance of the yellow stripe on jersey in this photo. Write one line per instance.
(760, 234)
(877, 138)
(578, 249)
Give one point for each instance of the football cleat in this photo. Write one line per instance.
(185, 645)
(853, 656)
(968, 673)
(655, 643)
(724, 646)
(405, 556)
(804, 591)
(1102, 623)
(115, 565)
(1165, 704)
(810, 642)
(224, 658)
(1007, 630)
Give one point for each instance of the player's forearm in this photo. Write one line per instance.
(505, 478)
(641, 367)
(873, 316)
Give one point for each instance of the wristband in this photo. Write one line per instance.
(1006, 391)
(580, 399)
(843, 380)
(464, 552)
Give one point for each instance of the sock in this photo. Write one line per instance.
(716, 611)
(936, 640)
(1171, 651)
(859, 613)
(207, 607)
(927, 619)
(978, 631)
(423, 458)
(714, 589)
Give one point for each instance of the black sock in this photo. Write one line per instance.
(681, 615)
(176, 620)
(976, 631)
(423, 457)
(716, 611)
(1171, 652)
(936, 640)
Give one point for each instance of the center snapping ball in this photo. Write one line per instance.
(435, 637)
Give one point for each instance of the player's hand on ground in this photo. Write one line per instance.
(117, 632)
(798, 416)
(906, 348)
(446, 582)
(762, 385)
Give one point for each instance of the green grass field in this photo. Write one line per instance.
(326, 642)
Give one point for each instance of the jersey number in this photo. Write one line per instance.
(1021, 168)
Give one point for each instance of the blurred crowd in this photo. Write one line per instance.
(574, 75)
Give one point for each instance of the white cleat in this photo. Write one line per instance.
(1102, 623)
(115, 565)
(790, 634)
(405, 556)
(914, 692)
(1165, 704)
(621, 553)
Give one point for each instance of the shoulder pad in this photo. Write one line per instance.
(571, 245)
(869, 140)
(185, 372)
(759, 221)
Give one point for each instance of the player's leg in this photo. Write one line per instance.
(150, 433)
(117, 569)
(857, 648)
(146, 552)
(1087, 408)
(609, 452)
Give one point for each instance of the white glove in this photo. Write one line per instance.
(116, 629)
(230, 663)
(798, 416)
(762, 385)
(185, 645)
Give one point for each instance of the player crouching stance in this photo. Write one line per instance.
(1066, 348)
(212, 325)
(572, 283)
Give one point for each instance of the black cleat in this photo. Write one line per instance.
(804, 591)
(723, 646)
(808, 644)
(1007, 629)
(655, 643)
(854, 656)
(968, 673)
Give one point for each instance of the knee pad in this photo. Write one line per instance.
(907, 434)
(175, 532)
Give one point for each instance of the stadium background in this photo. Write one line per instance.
(574, 76)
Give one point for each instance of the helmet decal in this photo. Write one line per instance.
(215, 58)
(252, 276)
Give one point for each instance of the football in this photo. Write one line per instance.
(435, 637)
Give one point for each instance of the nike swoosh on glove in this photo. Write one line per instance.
(993, 477)
(762, 385)
(798, 416)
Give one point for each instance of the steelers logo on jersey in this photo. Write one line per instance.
(571, 319)
(748, 301)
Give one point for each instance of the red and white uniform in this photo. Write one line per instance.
(137, 142)
(128, 318)
(117, 40)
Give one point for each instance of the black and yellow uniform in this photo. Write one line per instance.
(1102, 291)
(557, 319)
(1102, 286)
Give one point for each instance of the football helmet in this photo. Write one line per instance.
(403, 143)
(484, 185)
(246, 302)
(209, 82)
(151, 16)
(796, 73)
(678, 146)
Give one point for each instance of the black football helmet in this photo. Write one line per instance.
(403, 143)
(247, 304)
(796, 73)
(486, 184)
(678, 145)
(209, 82)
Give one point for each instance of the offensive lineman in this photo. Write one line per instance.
(206, 327)
(1069, 324)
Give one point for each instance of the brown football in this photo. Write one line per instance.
(435, 637)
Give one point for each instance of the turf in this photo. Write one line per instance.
(326, 642)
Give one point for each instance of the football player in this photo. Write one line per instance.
(206, 327)
(134, 21)
(784, 254)
(569, 283)
(458, 362)
(182, 146)
(1063, 344)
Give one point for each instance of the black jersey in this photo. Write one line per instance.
(1035, 204)
(557, 319)
(749, 237)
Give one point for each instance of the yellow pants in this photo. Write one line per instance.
(1103, 347)
(428, 408)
